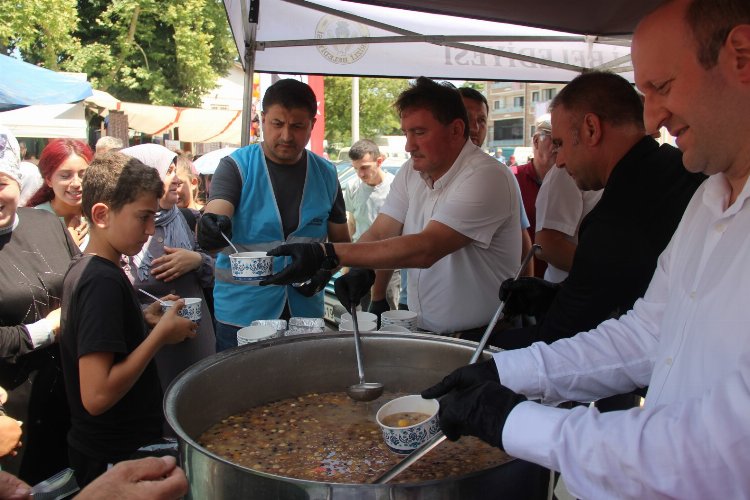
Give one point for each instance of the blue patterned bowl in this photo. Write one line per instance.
(404, 440)
(191, 310)
(251, 266)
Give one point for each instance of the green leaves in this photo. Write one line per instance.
(150, 51)
(376, 115)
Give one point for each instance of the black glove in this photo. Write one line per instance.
(210, 227)
(352, 286)
(527, 295)
(317, 283)
(463, 378)
(307, 260)
(480, 410)
(379, 307)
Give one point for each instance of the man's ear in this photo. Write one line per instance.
(458, 127)
(737, 47)
(592, 129)
(100, 215)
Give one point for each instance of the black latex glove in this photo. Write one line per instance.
(352, 286)
(479, 410)
(317, 283)
(463, 378)
(210, 227)
(379, 307)
(527, 295)
(307, 260)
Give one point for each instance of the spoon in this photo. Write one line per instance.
(165, 304)
(230, 242)
(363, 391)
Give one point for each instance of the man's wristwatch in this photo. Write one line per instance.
(331, 260)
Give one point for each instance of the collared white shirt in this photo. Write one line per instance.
(364, 201)
(476, 197)
(688, 339)
(561, 206)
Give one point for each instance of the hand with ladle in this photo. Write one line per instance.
(213, 230)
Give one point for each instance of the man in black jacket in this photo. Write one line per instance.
(598, 131)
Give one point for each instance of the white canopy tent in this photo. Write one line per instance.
(51, 121)
(465, 40)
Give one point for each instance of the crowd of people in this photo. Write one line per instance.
(642, 293)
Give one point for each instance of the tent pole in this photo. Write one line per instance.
(250, 23)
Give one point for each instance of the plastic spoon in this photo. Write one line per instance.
(230, 242)
(144, 292)
(363, 391)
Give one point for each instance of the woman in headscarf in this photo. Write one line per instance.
(35, 251)
(170, 263)
(61, 165)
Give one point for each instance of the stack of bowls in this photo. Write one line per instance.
(404, 319)
(255, 333)
(361, 316)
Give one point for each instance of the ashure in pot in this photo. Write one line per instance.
(233, 381)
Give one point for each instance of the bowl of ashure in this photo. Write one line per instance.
(408, 422)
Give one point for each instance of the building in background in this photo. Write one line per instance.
(514, 107)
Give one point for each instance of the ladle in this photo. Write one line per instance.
(230, 242)
(440, 437)
(363, 391)
(165, 304)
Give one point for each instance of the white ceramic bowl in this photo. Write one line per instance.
(251, 266)
(364, 326)
(255, 333)
(404, 440)
(191, 310)
(361, 316)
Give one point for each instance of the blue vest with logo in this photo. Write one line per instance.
(256, 226)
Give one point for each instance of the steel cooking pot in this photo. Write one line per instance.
(236, 380)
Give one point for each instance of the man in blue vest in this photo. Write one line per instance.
(267, 194)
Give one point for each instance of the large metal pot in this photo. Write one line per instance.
(236, 380)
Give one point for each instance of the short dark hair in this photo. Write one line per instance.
(474, 95)
(710, 22)
(116, 180)
(607, 95)
(441, 99)
(291, 94)
(362, 148)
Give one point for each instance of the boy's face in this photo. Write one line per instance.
(130, 227)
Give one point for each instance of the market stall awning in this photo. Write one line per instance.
(53, 121)
(24, 84)
(193, 124)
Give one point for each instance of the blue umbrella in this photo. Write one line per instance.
(24, 84)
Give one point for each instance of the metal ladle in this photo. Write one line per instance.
(363, 391)
(440, 437)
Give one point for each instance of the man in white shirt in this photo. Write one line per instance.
(687, 338)
(364, 196)
(451, 217)
(560, 208)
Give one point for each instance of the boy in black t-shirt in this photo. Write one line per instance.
(111, 381)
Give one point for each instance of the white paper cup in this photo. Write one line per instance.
(404, 440)
(361, 316)
(255, 333)
(364, 326)
(191, 310)
(251, 266)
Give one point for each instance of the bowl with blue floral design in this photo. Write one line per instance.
(408, 422)
(251, 266)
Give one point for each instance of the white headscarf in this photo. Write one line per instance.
(10, 155)
(153, 155)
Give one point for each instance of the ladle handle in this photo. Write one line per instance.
(440, 437)
(357, 346)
